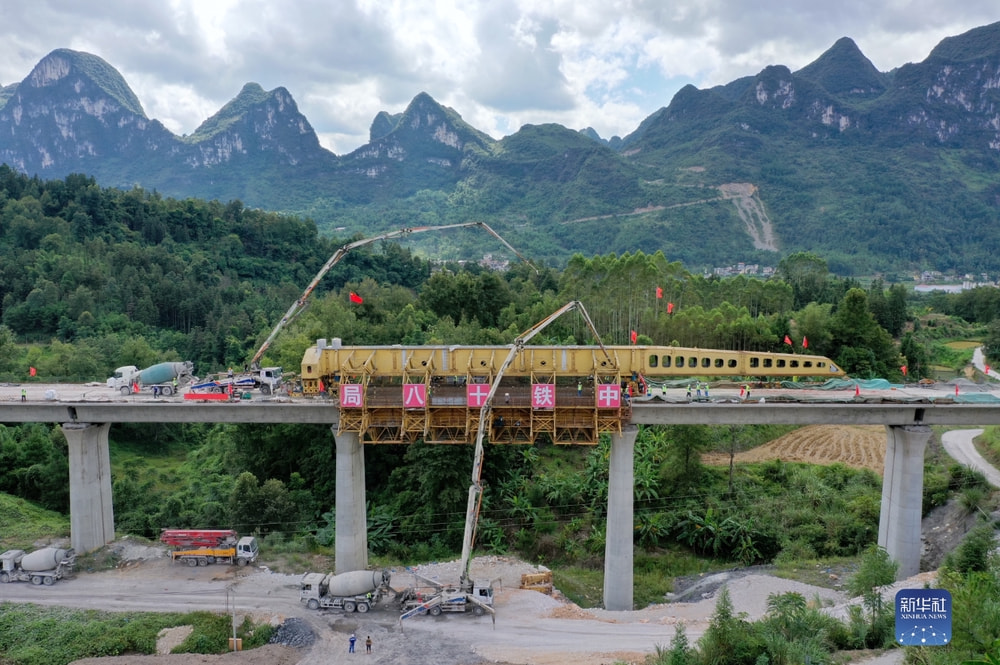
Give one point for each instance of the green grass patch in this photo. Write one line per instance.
(160, 465)
(583, 586)
(556, 459)
(22, 523)
(964, 344)
(32, 635)
(653, 578)
(950, 356)
(830, 573)
(988, 445)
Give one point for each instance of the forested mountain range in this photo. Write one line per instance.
(873, 171)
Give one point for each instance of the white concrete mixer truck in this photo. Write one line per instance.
(158, 378)
(357, 590)
(43, 566)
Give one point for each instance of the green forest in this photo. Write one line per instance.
(96, 278)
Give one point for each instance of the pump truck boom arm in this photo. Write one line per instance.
(300, 304)
(476, 488)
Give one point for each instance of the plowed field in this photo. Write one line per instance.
(858, 446)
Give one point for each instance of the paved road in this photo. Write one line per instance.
(958, 444)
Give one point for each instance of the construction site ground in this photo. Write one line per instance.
(531, 628)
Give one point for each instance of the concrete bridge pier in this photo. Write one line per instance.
(902, 496)
(618, 537)
(92, 515)
(351, 545)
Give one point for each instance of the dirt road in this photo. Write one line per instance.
(531, 628)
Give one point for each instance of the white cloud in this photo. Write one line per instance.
(499, 63)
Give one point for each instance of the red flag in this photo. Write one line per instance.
(32, 371)
(857, 389)
(659, 292)
(670, 308)
(788, 340)
(987, 369)
(805, 342)
(903, 369)
(634, 337)
(355, 298)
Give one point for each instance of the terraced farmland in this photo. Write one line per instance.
(858, 446)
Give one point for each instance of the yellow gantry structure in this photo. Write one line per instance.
(398, 394)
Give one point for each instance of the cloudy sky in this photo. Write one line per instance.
(501, 64)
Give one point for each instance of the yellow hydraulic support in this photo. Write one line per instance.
(376, 377)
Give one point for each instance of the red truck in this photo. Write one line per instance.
(200, 547)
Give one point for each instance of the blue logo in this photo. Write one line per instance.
(923, 617)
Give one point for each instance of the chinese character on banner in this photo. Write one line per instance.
(609, 396)
(476, 394)
(414, 395)
(351, 395)
(543, 396)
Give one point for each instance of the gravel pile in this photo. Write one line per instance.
(507, 570)
(131, 550)
(293, 633)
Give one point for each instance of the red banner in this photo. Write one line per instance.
(355, 298)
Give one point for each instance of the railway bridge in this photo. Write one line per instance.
(86, 422)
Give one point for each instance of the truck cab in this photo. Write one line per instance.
(482, 591)
(310, 587)
(269, 380)
(246, 550)
(123, 376)
(10, 560)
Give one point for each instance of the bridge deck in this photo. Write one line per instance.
(77, 403)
